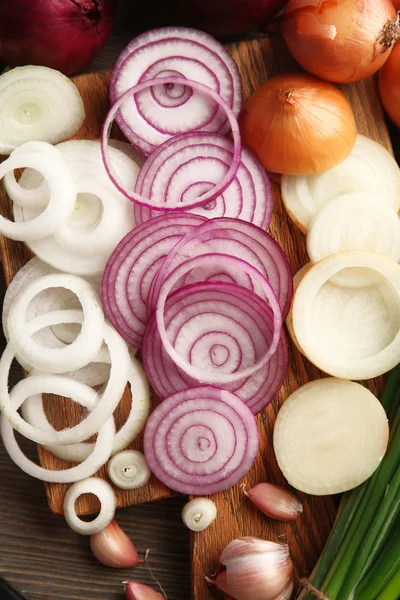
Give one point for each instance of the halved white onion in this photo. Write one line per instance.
(128, 470)
(37, 103)
(330, 435)
(105, 494)
(78, 392)
(60, 205)
(349, 333)
(368, 168)
(354, 222)
(69, 357)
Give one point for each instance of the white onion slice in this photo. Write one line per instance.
(199, 513)
(289, 319)
(80, 393)
(37, 103)
(369, 168)
(352, 334)
(108, 400)
(354, 222)
(330, 435)
(60, 204)
(33, 413)
(128, 470)
(105, 494)
(73, 356)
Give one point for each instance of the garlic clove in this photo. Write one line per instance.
(113, 548)
(287, 594)
(139, 591)
(275, 502)
(218, 585)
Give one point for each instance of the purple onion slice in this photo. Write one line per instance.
(132, 266)
(167, 379)
(201, 441)
(203, 196)
(156, 114)
(226, 338)
(190, 164)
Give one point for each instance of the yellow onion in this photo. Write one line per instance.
(296, 124)
(343, 40)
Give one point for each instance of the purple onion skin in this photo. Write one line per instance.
(62, 34)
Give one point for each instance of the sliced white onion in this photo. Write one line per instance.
(128, 470)
(108, 400)
(349, 333)
(199, 513)
(354, 222)
(368, 168)
(80, 393)
(37, 103)
(60, 204)
(73, 356)
(104, 492)
(330, 435)
(95, 208)
(289, 319)
(33, 413)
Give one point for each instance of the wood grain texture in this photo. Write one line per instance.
(257, 60)
(62, 412)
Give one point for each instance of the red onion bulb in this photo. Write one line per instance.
(62, 34)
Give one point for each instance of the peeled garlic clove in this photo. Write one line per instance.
(113, 548)
(199, 513)
(139, 591)
(275, 502)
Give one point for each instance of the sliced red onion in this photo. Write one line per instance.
(226, 337)
(236, 238)
(156, 114)
(190, 164)
(131, 269)
(201, 441)
(167, 379)
(205, 196)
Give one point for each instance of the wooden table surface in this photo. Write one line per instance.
(39, 554)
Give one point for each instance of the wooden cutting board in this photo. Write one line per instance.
(257, 60)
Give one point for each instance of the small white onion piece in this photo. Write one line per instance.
(330, 435)
(73, 356)
(349, 333)
(368, 168)
(80, 393)
(104, 492)
(37, 103)
(33, 413)
(107, 403)
(60, 205)
(354, 222)
(128, 470)
(199, 513)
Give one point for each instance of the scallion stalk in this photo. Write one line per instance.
(391, 591)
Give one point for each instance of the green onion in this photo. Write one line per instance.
(391, 591)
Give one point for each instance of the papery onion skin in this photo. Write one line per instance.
(296, 124)
(389, 85)
(342, 41)
(62, 34)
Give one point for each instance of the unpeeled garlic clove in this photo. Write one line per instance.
(113, 548)
(275, 502)
(139, 591)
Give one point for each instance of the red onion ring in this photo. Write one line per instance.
(167, 379)
(132, 266)
(200, 160)
(234, 323)
(236, 238)
(216, 190)
(201, 441)
(154, 115)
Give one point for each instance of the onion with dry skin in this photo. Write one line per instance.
(342, 41)
(296, 124)
(389, 85)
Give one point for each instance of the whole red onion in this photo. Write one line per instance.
(62, 34)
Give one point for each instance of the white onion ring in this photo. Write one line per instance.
(80, 393)
(105, 494)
